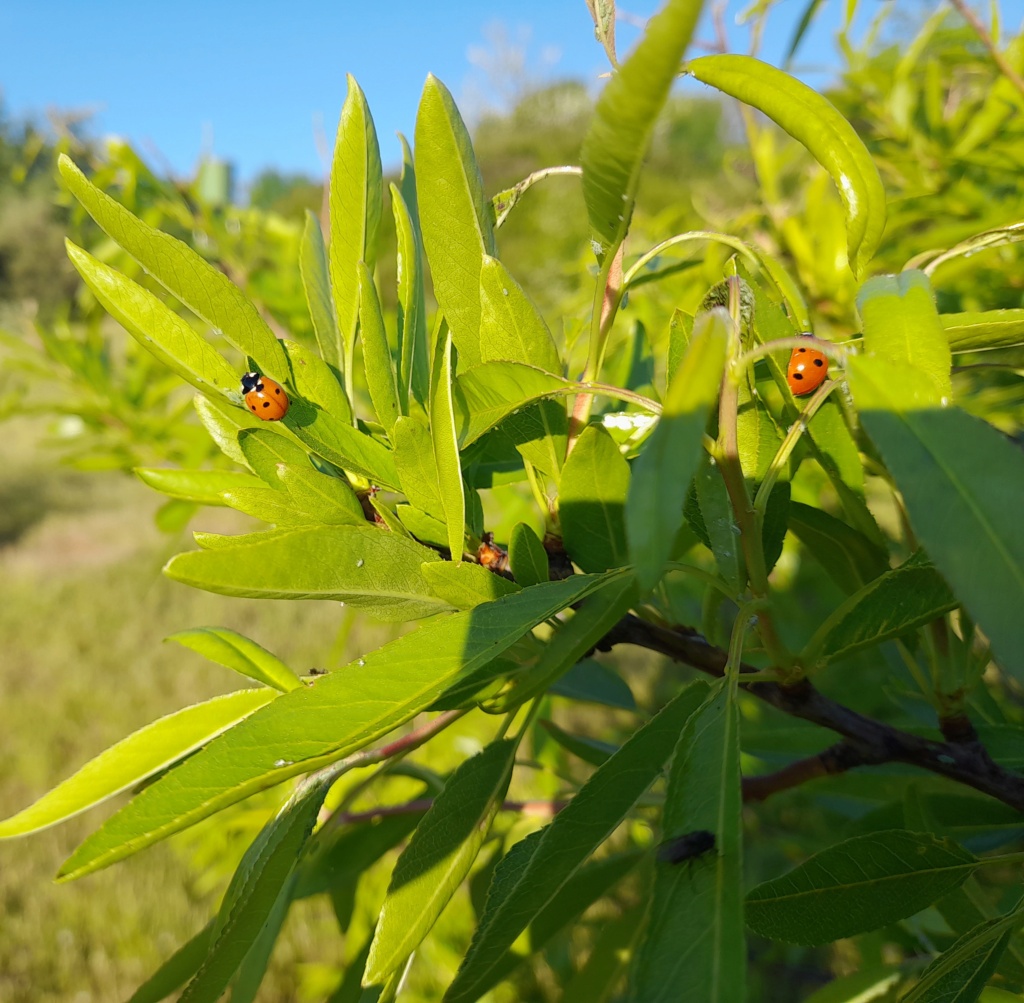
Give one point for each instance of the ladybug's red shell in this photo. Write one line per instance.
(807, 370)
(265, 398)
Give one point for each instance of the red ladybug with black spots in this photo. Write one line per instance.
(265, 398)
(807, 370)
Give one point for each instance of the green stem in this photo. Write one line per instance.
(829, 348)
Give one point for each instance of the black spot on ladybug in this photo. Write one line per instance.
(801, 349)
(819, 362)
(253, 406)
(277, 390)
(798, 376)
(689, 846)
(266, 403)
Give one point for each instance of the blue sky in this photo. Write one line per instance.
(258, 80)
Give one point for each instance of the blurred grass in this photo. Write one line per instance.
(83, 610)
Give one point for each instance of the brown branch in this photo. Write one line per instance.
(966, 761)
(986, 39)
(835, 759)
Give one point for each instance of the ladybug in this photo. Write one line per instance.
(689, 846)
(265, 398)
(807, 370)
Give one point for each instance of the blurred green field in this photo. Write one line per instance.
(83, 610)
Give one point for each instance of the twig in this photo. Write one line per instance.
(965, 761)
(986, 39)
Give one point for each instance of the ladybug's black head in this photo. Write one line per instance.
(251, 381)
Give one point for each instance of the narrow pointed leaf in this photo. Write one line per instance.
(487, 394)
(234, 650)
(223, 422)
(454, 215)
(527, 558)
(662, 473)
(975, 537)
(379, 366)
(591, 506)
(464, 586)
(813, 121)
(413, 350)
(899, 601)
(156, 327)
(205, 487)
(526, 882)
(901, 325)
(341, 444)
(849, 558)
(317, 284)
(620, 132)
(416, 466)
(861, 884)
(315, 381)
(363, 566)
(976, 332)
(439, 856)
(204, 289)
(142, 754)
(356, 196)
(511, 327)
(250, 903)
(320, 724)
(694, 948)
(176, 970)
(446, 447)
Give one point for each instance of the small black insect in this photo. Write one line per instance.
(689, 846)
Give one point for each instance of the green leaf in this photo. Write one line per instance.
(206, 487)
(413, 349)
(575, 637)
(379, 366)
(593, 682)
(962, 482)
(234, 650)
(590, 750)
(454, 215)
(321, 498)
(203, 288)
(142, 754)
(316, 382)
(176, 970)
(694, 948)
(272, 506)
(813, 121)
(257, 959)
(416, 466)
(422, 526)
(156, 327)
(897, 602)
(663, 471)
(589, 884)
(901, 325)
(317, 725)
(959, 974)
(858, 885)
(446, 446)
(540, 433)
(466, 585)
(718, 520)
(366, 567)
(511, 327)
(528, 880)
(680, 331)
(341, 444)
(596, 980)
(620, 132)
(439, 856)
(223, 421)
(254, 892)
(317, 285)
(487, 394)
(591, 505)
(976, 332)
(356, 196)
(849, 558)
(527, 558)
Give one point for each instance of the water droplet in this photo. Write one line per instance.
(282, 762)
(712, 461)
(625, 197)
(361, 662)
(803, 426)
(944, 402)
(341, 604)
(621, 217)
(360, 563)
(505, 291)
